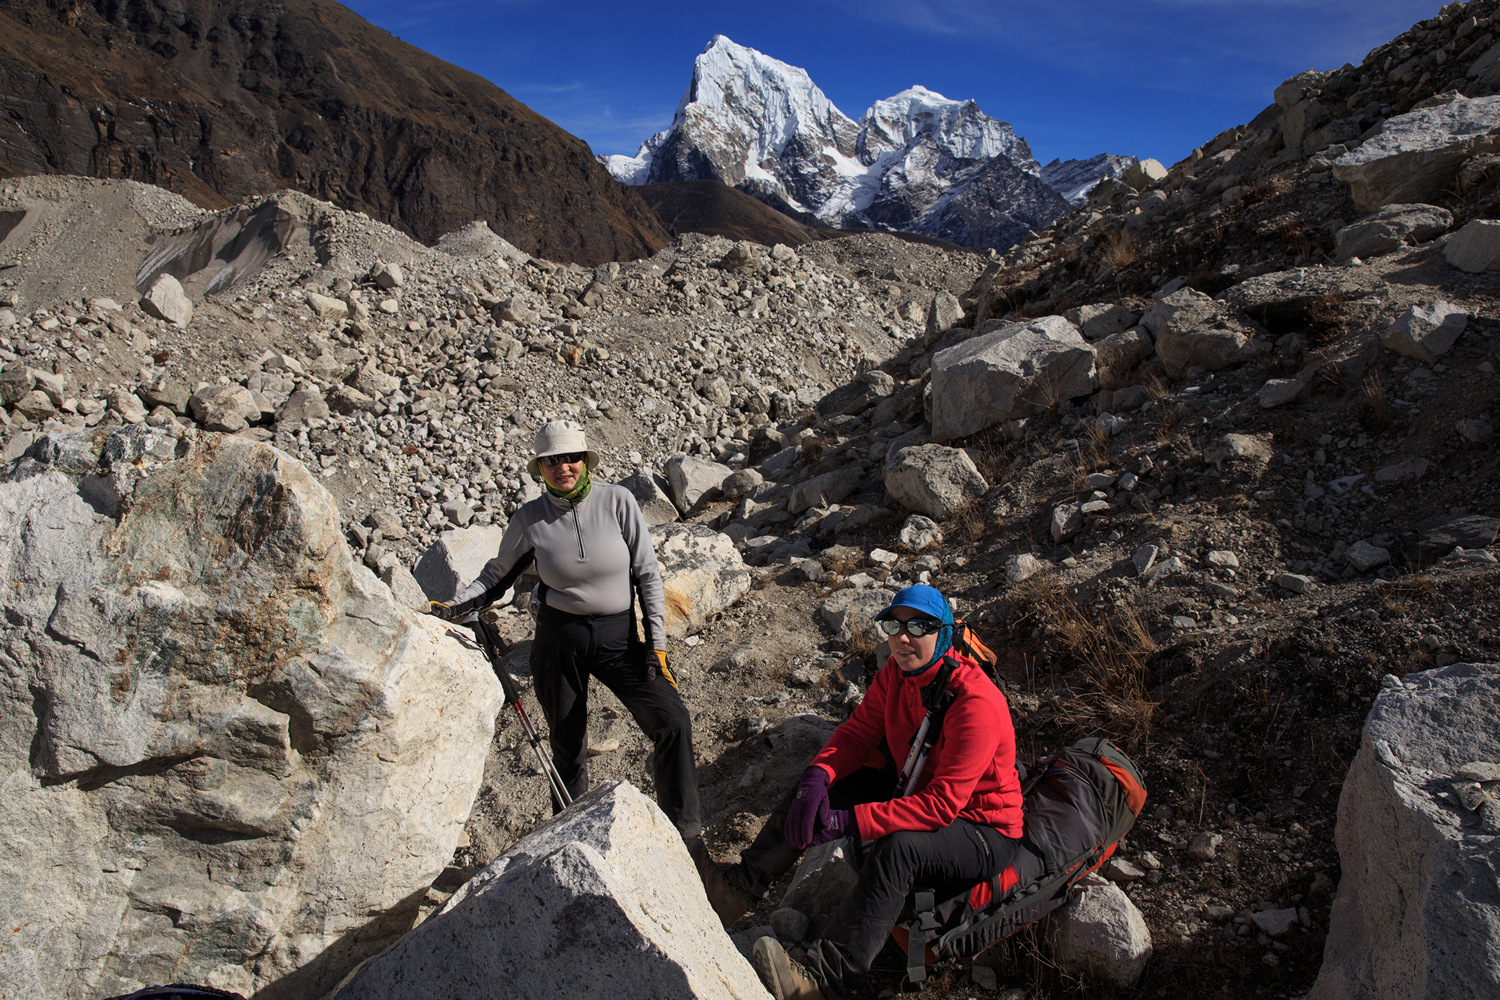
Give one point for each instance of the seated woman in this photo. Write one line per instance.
(957, 823)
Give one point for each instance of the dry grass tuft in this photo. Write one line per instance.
(813, 448)
(1113, 650)
(844, 560)
(1375, 413)
(1166, 414)
(1260, 190)
(1120, 251)
(1094, 446)
(968, 523)
(1327, 319)
(995, 453)
(862, 641)
(1045, 393)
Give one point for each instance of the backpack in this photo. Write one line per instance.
(1078, 804)
(968, 643)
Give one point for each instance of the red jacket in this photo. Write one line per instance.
(970, 773)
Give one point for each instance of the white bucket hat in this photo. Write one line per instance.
(560, 437)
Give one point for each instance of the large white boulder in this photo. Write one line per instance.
(224, 749)
(650, 492)
(602, 901)
(829, 488)
(824, 876)
(858, 395)
(1143, 174)
(1475, 248)
(1416, 156)
(851, 610)
(455, 559)
(1101, 935)
(1014, 371)
(690, 478)
(1427, 332)
(702, 574)
(1417, 914)
(934, 479)
(943, 312)
(1193, 330)
(1391, 228)
(227, 408)
(165, 299)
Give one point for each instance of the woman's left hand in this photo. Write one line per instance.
(831, 824)
(666, 672)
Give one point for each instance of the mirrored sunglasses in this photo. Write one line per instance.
(552, 460)
(916, 628)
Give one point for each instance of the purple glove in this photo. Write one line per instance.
(812, 797)
(833, 824)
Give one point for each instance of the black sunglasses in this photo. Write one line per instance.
(551, 460)
(916, 628)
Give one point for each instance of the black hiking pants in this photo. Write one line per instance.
(949, 861)
(567, 650)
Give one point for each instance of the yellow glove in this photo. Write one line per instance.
(661, 662)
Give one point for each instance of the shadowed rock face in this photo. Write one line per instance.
(219, 100)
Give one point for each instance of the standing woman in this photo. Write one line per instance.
(593, 552)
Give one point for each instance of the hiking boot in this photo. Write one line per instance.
(728, 892)
(726, 886)
(784, 978)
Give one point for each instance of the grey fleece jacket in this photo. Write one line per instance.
(586, 554)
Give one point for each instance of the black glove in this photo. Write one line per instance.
(440, 610)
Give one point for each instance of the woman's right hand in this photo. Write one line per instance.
(812, 796)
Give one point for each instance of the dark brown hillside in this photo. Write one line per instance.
(219, 100)
(715, 208)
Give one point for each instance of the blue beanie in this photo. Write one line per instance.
(930, 602)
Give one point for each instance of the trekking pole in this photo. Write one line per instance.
(495, 648)
(927, 733)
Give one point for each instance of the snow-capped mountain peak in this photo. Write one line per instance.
(735, 82)
(915, 162)
(742, 116)
(959, 128)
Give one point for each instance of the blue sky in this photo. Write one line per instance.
(1136, 77)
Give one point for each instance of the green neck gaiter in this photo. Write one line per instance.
(577, 493)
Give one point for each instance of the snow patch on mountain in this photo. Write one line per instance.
(1075, 179)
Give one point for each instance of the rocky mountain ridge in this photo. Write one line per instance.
(915, 162)
(221, 101)
(1076, 179)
